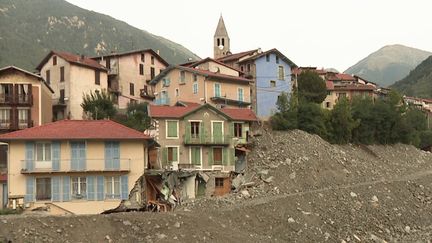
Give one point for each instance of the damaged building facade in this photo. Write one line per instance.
(75, 167)
(201, 147)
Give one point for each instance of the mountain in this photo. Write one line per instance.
(418, 83)
(29, 29)
(389, 64)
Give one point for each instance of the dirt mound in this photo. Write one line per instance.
(297, 188)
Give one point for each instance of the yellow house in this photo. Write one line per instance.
(129, 74)
(74, 167)
(71, 76)
(209, 82)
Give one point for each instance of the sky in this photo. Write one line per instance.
(330, 34)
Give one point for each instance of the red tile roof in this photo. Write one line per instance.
(187, 103)
(354, 87)
(3, 177)
(341, 77)
(155, 54)
(208, 59)
(236, 56)
(76, 130)
(73, 59)
(169, 111)
(329, 85)
(239, 114)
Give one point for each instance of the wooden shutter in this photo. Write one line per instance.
(91, 194)
(55, 147)
(29, 197)
(66, 188)
(29, 156)
(100, 188)
(55, 189)
(210, 156)
(124, 187)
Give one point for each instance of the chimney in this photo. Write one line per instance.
(158, 52)
(82, 57)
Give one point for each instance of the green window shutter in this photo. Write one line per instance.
(164, 157)
(175, 154)
(196, 155)
(232, 129)
(172, 128)
(225, 156)
(231, 156)
(188, 133)
(202, 135)
(210, 156)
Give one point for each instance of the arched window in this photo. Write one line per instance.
(223, 41)
(218, 42)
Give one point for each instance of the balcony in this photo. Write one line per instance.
(24, 99)
(65, 166)
(162, 101)
(6, 99)
(113, 87)
(146, 94)
(10, 125)
(226, 101)
(204, 139)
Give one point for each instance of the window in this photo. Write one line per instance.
(172, 154)
(97, 77)
(195, 129)
(267, 58)
(145, 90)
(219, 182)
(223, 41)
(141, 69)
(281, 73)
(277, 59)
(240, 94)
(142, 57)
(182, 76)
(241, 68)
(177, 92)
(152, 60)
(327, 104)
(54, 60)
(217, 90)
(62, 96)
(195, 153)
(62, 79)
(48, 76)
(217, 156)
(108, 63)
(131, 89)
(23, 116)
(4, 116)
(218, 42)
(248, 67)
(112, 187)
(79, 187)
(6, 92)
(272, 83)
(195, 87)
(195, 77)
(238, 130)
(43, 188)
(152, 72)
(172, 129)
(43, 152)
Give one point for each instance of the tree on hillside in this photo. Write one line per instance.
(341, 122)
(311, 87)
(286, 117)
(362, 111)
(98, 105)
(136, 117)
(311, 118)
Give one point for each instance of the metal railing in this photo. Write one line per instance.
(162, 101)
(86, 165)
(204, 138)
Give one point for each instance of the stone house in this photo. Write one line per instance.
(129, 74)
(71, 76)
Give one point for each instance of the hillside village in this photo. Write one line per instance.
(55, 158)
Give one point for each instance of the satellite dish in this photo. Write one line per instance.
(221, 47)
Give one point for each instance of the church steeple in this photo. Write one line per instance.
(221, 45)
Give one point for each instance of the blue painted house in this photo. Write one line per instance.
(271, 71)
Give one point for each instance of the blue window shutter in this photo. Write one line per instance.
(115, 152)
(91, 194)
(55, 189)
(55, 147)
(100, 188)
(74, 156)
(29, 197)
(66, 188)
(29, 156)
(108, 156)
(83, 156)
(124, 187)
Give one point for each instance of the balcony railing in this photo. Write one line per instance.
(147, 94)
(6, 99)
(162, 101)
(24, 99)
(86, 165)
(113, 87)
(203, 138)
(20, 99)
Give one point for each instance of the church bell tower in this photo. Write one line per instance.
(221, 45)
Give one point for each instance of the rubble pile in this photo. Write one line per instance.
(296, 188)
